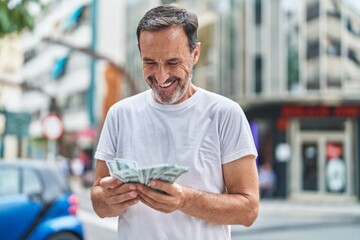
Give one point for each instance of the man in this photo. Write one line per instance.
(176, 122)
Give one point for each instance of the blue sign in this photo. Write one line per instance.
(17, 123)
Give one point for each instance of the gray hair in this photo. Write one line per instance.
(165, 16)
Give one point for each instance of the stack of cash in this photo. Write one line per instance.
(128, 171)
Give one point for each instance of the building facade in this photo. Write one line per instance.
(58, 80)
(304, 97)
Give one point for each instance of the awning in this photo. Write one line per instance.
(74, 18)
(59, 67)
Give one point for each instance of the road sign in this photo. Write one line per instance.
(17, 123)
(52, 127)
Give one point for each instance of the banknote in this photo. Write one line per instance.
(128, 171)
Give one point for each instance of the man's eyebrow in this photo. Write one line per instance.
(173, 59)
(146, 59)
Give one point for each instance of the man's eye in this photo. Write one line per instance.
(173, 63)
(150, 63)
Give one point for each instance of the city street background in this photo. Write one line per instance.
(293, 67)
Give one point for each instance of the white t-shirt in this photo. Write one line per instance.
(202, 133)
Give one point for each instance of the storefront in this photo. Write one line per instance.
(313, 149)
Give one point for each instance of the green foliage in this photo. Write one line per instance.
(16, 18)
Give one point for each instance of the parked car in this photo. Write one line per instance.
(36, 202)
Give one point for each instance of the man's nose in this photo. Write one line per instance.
(161, 74)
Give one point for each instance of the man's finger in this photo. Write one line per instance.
(110, 182)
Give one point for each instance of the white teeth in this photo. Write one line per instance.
(165, 85)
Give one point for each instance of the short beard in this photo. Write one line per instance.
(176, 97)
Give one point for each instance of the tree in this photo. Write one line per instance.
(15, 16)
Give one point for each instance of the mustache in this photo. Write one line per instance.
(152, 78)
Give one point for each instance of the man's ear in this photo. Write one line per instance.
(196, 53)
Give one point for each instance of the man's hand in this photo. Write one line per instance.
(166, 198)
(118, 196)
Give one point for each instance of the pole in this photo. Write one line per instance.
(52, 150)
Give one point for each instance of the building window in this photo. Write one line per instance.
(312, 11)
(313, 49)
(75, 102)
(313, 83)
(333, 9)
(310, 171)
(258, 12)
(334, 47)
(353, 56)
(351, 27)
(334, 82)
(293, 68)
(30, 54)
(258, 74)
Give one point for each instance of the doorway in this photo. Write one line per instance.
(322, 163)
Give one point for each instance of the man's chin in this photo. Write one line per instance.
(166, 100)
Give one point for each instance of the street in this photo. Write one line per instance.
(278, 220)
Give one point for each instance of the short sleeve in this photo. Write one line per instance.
(106, 148)
(236, 137)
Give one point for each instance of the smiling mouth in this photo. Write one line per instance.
(166, 84)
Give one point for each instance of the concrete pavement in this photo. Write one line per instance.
(286, 219)
(288, 208)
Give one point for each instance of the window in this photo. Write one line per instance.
(31, 182)
(313, 49)
(29, 55)
(9, 181)
(334, 48)
(333, 9)
(353, 57)
(76, 102)
(293, 68)
(312, 11)
(258, 74)
(258, 12)
(310, 171)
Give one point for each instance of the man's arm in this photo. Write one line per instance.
(239, 206)
(110, 197)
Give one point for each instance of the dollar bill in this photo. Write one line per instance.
(128, 171)
(171, 174)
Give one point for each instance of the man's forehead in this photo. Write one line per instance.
(172, 32)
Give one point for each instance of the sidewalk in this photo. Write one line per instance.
(288, 208)
(287, 219)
